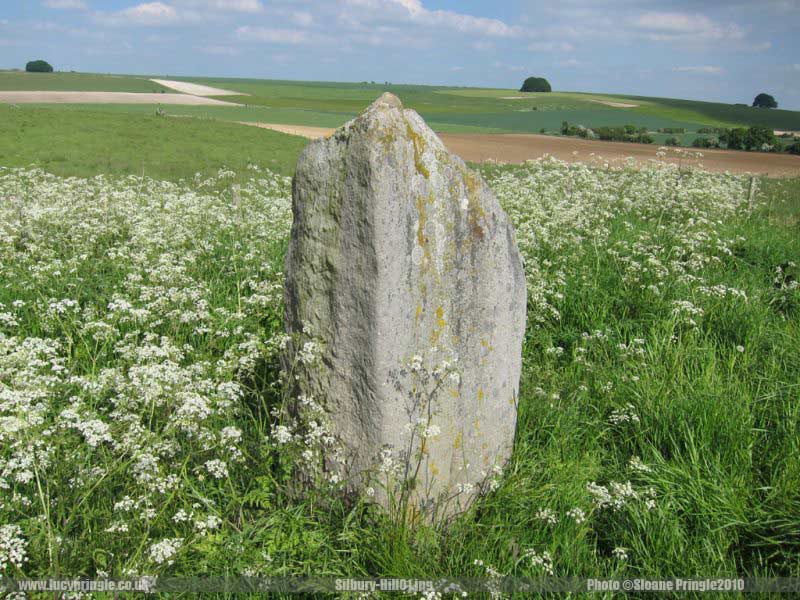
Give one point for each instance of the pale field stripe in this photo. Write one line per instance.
(196, 89)
(311, 133)
(614, 104)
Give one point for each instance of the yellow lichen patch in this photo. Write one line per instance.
(480, 394)
(475, 212)
(419, 149)
(438, 326)
(457, 442)
(419, 312)
(423, 218)
(433, 468)
(454, 393)
(387, 139)
(421, 239)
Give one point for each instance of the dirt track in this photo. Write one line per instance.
(106, 98)
(311, 133)
(517, 148)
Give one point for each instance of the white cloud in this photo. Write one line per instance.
(705, 69)
(149, 13)
(570, 63)
(242, 6)
(157, 13)
(455, 69)
(413, 11)
(677, 26)
(270, 35)
(551, 47)
(66, 4)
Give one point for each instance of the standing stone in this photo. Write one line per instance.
(403, 264)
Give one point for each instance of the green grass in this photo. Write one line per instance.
(80, 82)
(87, 142)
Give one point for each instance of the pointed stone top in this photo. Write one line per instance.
(388, 99)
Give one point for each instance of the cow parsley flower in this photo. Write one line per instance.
(13, 547)
(163, 552)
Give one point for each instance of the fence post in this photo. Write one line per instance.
(751, 193)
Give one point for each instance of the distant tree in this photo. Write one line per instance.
(759, 138)
(536, 84)
(672, 141)
(794, 148)
(765, 101)
(38, 66)
(733, 138)
(702, 142)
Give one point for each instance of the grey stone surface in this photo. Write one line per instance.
(403, 263)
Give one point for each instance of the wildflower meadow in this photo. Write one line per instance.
(141, 386)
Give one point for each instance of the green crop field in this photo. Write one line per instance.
(448, 104)
(79, 82)
(447, 109)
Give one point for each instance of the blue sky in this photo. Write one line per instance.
(713, 50)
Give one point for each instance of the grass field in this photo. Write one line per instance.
(445, 103)
(80, 82)
(86, 143)
(456, 110)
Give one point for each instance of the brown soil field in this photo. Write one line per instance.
(106, 98)
(517, 148)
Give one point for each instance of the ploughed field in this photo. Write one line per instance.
(521, 147)
(140, 330)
